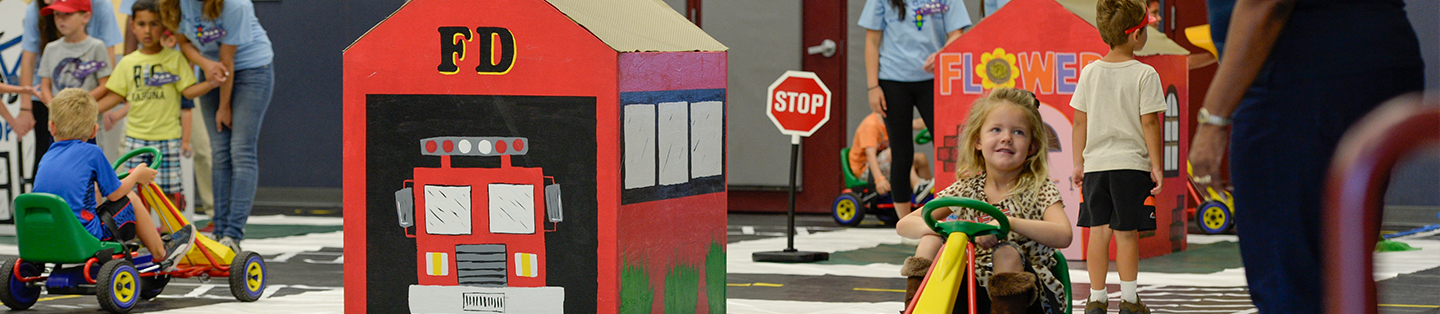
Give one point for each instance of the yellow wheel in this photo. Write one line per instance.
(848, 211)
(247, 276)
(1215, 217)
(118, 287)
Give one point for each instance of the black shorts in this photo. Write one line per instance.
(1119, 198)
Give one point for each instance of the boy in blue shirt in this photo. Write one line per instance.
(75, 170)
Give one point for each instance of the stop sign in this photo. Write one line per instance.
(798, 102)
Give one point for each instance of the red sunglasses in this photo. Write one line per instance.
(1148, 19)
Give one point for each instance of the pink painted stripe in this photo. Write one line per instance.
(657, 71)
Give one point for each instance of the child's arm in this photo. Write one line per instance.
(1052, 231)
(100, 90)
(872, 162)
(45, 92)
(139, 175)
(1151, 126)
(114, 116)
(198, 89)
(185, 132)
(108, 100)
(1077, 140)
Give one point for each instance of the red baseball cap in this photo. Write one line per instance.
(67, 6)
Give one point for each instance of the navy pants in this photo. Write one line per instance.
(1284, 136)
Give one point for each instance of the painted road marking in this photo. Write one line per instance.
(1411, 305)
(880, 290)
(58, 297)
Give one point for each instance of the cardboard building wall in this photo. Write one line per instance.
(1039, 45)
(621, 102)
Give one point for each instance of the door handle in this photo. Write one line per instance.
(825, 48)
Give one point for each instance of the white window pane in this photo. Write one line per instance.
(707, 139)
(512, 208)
(673, 119)
(447, 209)
(639, 146)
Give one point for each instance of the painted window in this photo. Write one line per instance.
(512, 208)
(1172, 132)
(674, 143)
(447, 209)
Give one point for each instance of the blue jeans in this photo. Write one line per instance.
(236, 170)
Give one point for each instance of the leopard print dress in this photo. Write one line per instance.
(1029, 206)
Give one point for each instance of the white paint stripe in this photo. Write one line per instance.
(295, 220)
(747, 230)
(270, 290)
(1250, 311)
(283, 257)
(200, 290)
(317, 302)
(745, 306)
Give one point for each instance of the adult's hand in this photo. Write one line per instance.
(1207, 150)
(222, 119)
(216, 71)
(877, 100)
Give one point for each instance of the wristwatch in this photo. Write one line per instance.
(1206, 118)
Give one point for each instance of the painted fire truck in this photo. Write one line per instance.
(490, 260)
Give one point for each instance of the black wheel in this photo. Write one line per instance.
(153, 286)
(247, 276)
(848, 210)
(15, 294)
(1214, 217)
(118, 288)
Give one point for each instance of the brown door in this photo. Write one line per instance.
(819, 176)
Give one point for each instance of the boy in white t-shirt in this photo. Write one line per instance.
(1117, 160)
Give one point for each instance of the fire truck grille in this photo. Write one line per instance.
(481, 265)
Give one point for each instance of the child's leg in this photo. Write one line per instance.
(145, 228)
(1127, 253)
(912, 226)
(1011, 288)
(921, 168)
(1097, 255)
(1007, 259)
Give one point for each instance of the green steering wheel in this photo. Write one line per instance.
(143, 150)
(973, 229)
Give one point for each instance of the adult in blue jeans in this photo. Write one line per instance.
(225, 39)
(1293, 76)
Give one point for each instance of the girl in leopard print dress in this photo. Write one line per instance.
(1006, 167)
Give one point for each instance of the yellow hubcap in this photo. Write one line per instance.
(254, 276)
(845, 210)
(1214, 217)
(124, 287)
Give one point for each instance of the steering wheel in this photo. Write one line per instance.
(143, 150)
(973, 229)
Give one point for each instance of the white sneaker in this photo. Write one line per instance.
(231, 243)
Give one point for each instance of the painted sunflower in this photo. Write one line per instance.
(997, 69)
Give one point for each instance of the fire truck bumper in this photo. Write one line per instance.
(466, 299)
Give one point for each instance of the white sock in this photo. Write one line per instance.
(1127, 291)
(1099, 295)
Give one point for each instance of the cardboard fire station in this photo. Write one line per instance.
(1041, 46)
(532, 156)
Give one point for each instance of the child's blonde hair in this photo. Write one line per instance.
(73, 111)
(1115, 16)
(1033, 173)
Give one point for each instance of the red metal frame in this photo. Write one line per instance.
(1354, 193)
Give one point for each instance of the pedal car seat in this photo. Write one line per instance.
(851, 181)
(48, 231)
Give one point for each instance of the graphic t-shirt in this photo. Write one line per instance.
(236, 26)
(74, 65)
(152, 83)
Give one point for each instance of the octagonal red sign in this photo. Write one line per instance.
(798, 103)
